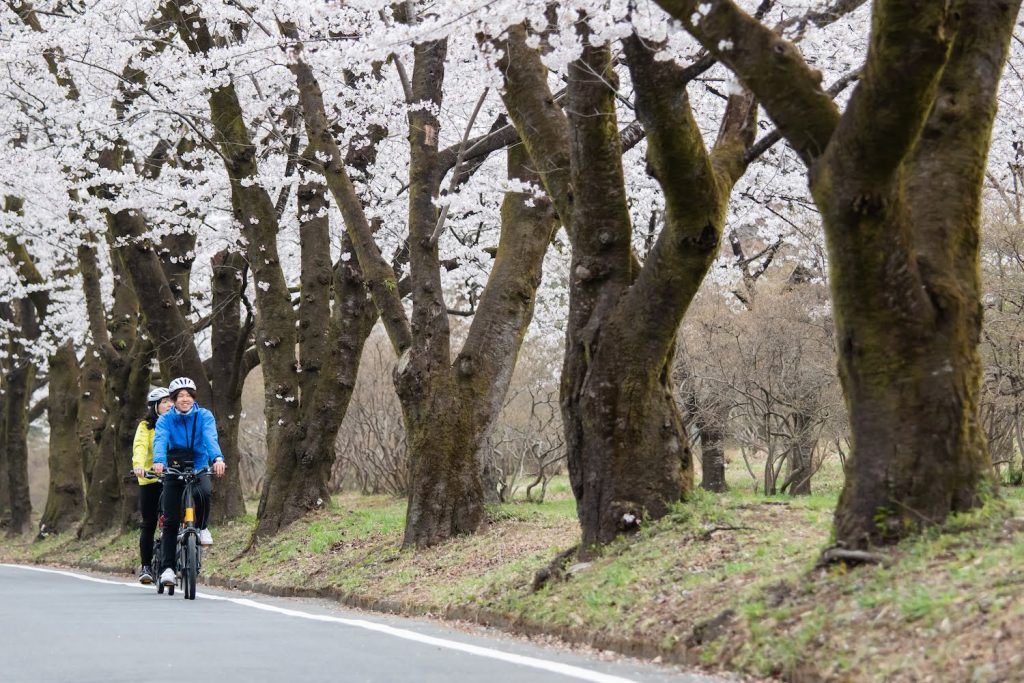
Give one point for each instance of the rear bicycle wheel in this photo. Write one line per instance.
(190, 571)
(155, 564)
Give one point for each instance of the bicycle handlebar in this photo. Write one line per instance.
(150, 474)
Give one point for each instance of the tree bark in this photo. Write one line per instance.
(91, 419)
(800, 462)
(298, 475)
(227, 376)
(628, 454)
(713, 431)
(65, 501)
(898, 180)
(117, 341)
(18, 388)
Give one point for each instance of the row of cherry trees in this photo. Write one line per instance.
(202, 188)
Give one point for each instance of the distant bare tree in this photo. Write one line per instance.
(1002, 397)
(765, 377)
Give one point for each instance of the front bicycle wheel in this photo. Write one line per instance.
(190, 570)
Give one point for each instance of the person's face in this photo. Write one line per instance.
(164, 405)
(183, 401)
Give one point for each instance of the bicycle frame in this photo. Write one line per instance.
(187, 541)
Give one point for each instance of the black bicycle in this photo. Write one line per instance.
(189, 553)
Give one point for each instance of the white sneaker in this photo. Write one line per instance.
(167, 578)
(205, 537)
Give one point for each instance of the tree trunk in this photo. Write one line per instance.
(713, 431)
(7, 316)
(116, 343)
(112, 495)
(450, 431)
(91, 419)
(448, 410)
(628, 452)
(909, 326)
(5, 486)
(296, 481)
(65, 501)
(298, 475)
(800, 465)
(18, 388)
(898, 179)
(446, 496)
(228, 369)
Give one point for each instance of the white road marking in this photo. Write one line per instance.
(522, 660)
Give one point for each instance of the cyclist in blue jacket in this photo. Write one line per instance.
(186, 434)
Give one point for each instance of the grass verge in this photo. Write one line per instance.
(726, 582)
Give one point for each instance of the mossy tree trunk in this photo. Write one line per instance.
(28, 314)
(629, 458)
(65, 500)
(230, 363)
(303, 411)
(116, 341)
(21, 374)
(898, 179)
(91, 419)
(446, 495)
(297, 478)
(449, 408)
(5, 488)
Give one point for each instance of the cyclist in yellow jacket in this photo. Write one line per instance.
(158, 402)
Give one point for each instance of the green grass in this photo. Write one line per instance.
(739, 551)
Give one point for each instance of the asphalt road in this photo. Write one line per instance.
(66, 626)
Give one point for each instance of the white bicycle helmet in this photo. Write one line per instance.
(179, 383)
(157, 394)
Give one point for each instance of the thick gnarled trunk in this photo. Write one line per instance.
(65, 500)
(448, 407)
(918, 453)
(629, 457)
(17, 390)
(299, 474)
(91, 419)
(228, 369)
(112, 495)
(908, 339)
(898, 179)
(446, 494)
(628, 452)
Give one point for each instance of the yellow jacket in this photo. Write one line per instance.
(142, 451)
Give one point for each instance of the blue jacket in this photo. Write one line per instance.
(174, 430)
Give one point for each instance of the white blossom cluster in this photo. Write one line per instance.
(51, 140)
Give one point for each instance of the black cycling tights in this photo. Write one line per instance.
(172, 513)
(149, 506)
